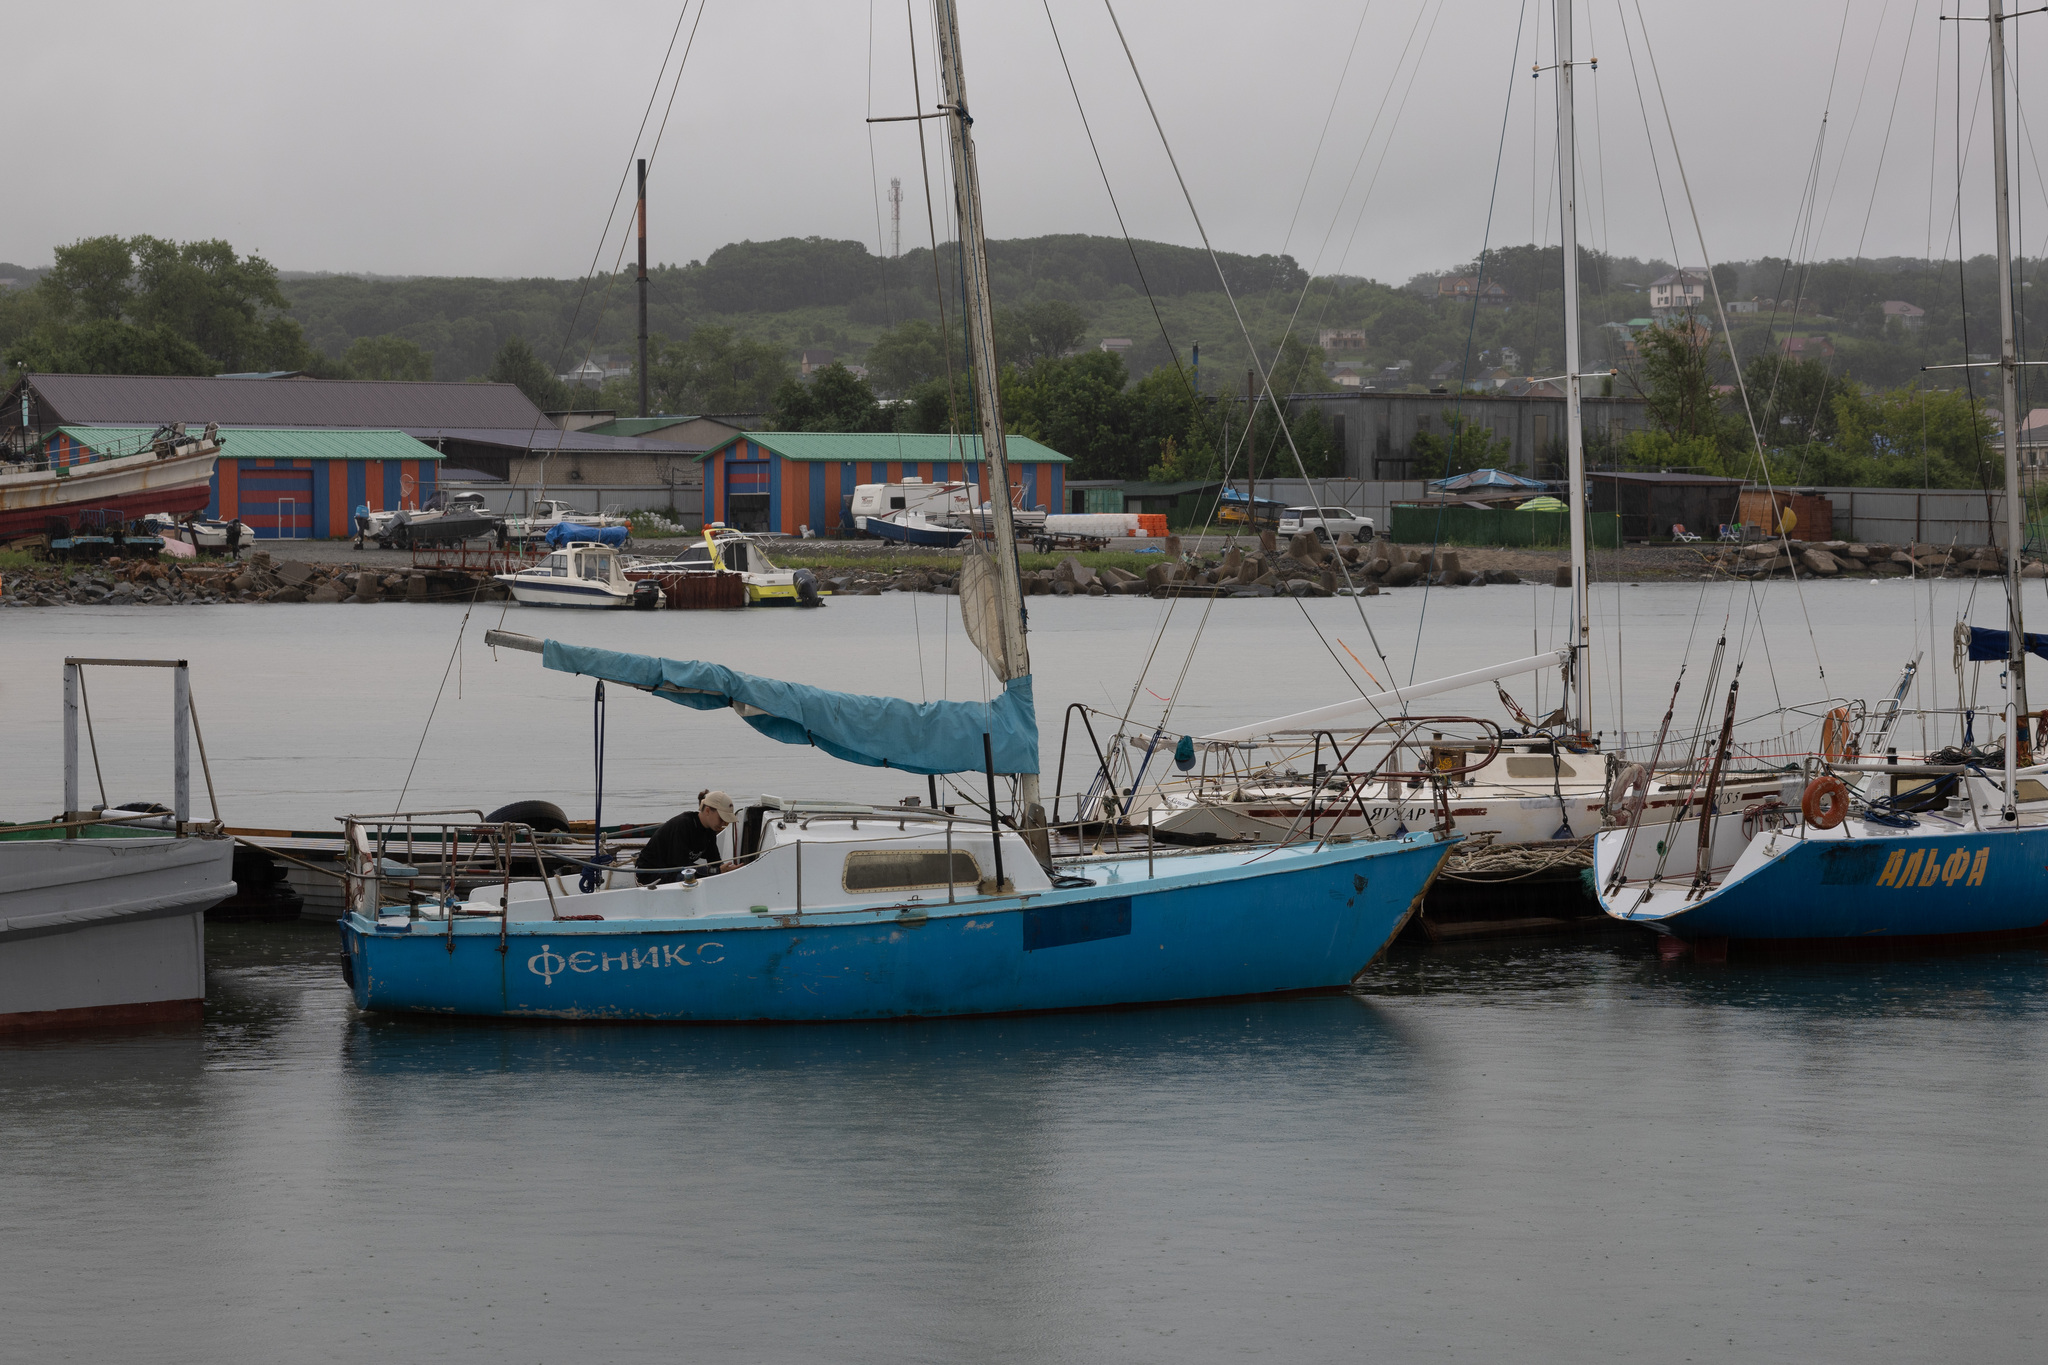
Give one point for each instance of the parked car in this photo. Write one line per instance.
(1326, 522)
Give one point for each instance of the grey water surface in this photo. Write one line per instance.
(1544, 1151)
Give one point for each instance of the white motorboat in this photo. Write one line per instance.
(199, 534)
(588, 576)
(102, 912)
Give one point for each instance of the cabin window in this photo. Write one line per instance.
(1540, 766)
(907, 869)
(2027, 789)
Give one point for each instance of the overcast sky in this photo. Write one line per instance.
(489, 139)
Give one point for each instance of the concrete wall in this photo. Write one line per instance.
(653, 481)
(1379, 429)
(516, 500)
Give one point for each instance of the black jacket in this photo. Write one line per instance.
(679, 843)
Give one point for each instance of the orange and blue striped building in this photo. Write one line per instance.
(288, 483)
(780, 481)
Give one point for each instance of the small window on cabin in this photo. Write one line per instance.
(1539, 766)
(896, 504)
(2027, 789)
(908, 869)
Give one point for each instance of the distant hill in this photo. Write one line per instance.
(816, 293)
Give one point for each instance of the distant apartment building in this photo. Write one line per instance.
(1335, 340)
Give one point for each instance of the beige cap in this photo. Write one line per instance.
(719, 802)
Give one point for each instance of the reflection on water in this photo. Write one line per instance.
(1537, 1151)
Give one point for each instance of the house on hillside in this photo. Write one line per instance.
(1679, 292)
(1905, 316)
(1489, 292)
(810, 362)
(1808, 347)
(1115, 345)
(1334, 340)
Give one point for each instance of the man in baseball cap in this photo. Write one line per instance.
(688, 840)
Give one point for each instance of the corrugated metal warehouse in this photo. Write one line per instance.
(298, 483)
(785, 480)
(491, 429)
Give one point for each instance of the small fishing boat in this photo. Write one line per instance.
(912, 528)
(101, 911)
(587, 576)
(169, 471)
(726, 551)
(443, 520)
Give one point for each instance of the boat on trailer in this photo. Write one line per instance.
(912, 528)
(102, 912)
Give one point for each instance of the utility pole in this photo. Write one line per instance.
(1251, 449)
(643, 286)
(895, 217)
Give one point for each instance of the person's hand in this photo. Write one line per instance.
(728, 867)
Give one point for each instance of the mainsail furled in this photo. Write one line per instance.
(879, 732)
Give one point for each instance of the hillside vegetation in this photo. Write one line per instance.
(727, 332)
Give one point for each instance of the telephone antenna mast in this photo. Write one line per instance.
(895, 217)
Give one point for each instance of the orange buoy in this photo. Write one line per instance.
(1825, 803)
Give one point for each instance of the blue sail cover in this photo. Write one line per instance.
(879, 732)
(569, 532)
(1987, 645)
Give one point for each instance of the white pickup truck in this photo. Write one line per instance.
(1326, 522)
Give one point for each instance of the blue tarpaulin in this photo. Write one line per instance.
(568, 532)
(1989, 645)
(880, 732)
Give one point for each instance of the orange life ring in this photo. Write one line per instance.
(1837, 736)
(1825, 802)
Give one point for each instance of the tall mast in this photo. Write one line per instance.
(643, 287)
(1574, 416)
(981, 349)
(2009, 398)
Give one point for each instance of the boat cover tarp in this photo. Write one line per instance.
(1987, 645)
(1486, 478)
(879, 732)
(568, 532)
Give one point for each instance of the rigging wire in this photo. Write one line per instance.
(1236, 313)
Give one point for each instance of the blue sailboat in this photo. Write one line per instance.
(850, 911)
(1946, 853)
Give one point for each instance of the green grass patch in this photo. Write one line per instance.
(891, 562)
(17, 560)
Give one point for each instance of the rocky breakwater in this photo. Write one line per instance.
(157, 582)
(1833, 558)
(1308, 567)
